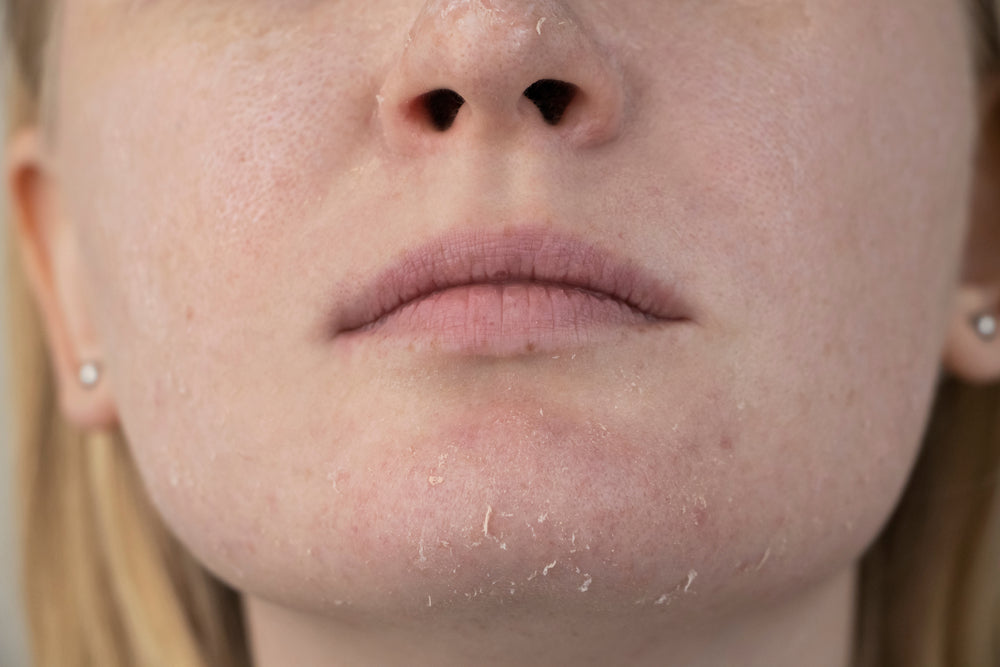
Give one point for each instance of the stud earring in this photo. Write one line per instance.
(89, 374)
(985, 325)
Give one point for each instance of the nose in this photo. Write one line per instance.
(495, 68)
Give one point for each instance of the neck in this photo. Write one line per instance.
(817, 623)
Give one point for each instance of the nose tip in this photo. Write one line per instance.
(506, 66)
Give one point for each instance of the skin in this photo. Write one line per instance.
(213, 182)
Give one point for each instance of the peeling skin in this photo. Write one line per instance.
(485, 16)
(486, 520)
(763, 560)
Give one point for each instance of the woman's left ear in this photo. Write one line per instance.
(972, 349)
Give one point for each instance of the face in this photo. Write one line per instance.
(671, 350)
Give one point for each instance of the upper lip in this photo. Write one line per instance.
(526, 255)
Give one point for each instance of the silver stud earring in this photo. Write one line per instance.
(985, 325)
(89, 374)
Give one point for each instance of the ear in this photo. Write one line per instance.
(968, 355)
(50, 253)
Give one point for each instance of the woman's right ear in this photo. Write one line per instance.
(48, 245)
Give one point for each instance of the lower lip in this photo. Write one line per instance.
(505, 319)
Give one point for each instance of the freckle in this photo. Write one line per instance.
(530, 347)
(189, 314)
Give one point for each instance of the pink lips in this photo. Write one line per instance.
(492, 293)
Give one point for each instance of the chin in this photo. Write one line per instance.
(509, 510)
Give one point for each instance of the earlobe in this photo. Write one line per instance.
(51, 258)
(972, 350)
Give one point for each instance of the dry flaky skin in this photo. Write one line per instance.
(250, 198)
(455, 506)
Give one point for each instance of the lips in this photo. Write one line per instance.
(527, 289)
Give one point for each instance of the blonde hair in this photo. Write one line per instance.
(106, 584)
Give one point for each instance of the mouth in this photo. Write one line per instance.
(520, 291)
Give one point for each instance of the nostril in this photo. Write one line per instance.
(441, 107)
(552, 97)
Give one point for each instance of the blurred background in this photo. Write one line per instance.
(12, 644)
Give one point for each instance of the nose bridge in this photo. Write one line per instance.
(501, 64)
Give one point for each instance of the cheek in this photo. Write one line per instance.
(197, 167)
(828, 188)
